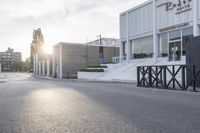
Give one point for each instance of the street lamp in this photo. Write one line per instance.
(99, 36)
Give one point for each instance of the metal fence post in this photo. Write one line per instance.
(165, 76)
(138, 76)
(143, 76)
(150, 76)
(157, 76)
(173, 72)
(183, 77)
(194, 80)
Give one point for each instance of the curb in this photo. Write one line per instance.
(85, 80)
(107, 81)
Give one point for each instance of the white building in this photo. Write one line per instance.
(159, 28)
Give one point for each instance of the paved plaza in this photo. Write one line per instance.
(33, 105)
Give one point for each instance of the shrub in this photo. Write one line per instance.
(97, 67)
(109, 63)
(91, 70)
(70, 77)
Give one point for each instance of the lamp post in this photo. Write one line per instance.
(100, 39)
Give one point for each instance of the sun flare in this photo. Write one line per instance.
(48, 49)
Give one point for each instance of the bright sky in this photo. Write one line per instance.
(60, 21)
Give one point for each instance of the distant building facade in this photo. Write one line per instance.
(10, 60)
(68, 58)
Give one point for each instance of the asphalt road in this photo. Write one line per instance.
(33, 105)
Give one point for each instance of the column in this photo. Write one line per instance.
(43, 68)
(48, 68)
(40, 73)
(121, 43)
(60, 60)
(37, 64)
(155, 37)
(127, 39)
(195, 18)
(53, 68)
(34, 72)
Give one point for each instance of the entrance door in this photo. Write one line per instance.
(175, 51)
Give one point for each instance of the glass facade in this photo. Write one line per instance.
(132, 49)
(143, 48)
(175, 35)
(174, 44)
(124, 48)
(163, 47)
(171, 44)
(175, 51)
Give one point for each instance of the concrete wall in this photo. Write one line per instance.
(110, 52)
(138, 22)
(55, 62)
(92, 55)
(74, 57)
(171, 17)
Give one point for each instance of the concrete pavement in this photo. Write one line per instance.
(2, 77)
(33, 105)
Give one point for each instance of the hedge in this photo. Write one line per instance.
(91, 70)
(97, 67)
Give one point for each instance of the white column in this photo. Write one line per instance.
(33, 64)
(60, 57)
(121, 43)
(127, 40)
(40, 73)
(48, 68)
(195, 18)
(43, 68)
(37, 64)
(34, 72)
(155, 37)
(53, 68)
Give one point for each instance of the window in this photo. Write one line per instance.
(175, 35)
(143, 48)
(124, 48)
(163, 45)
(132, 49)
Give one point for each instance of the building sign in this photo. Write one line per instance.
(174, 27)
(180, 6)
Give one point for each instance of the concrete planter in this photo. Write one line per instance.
(89, 75)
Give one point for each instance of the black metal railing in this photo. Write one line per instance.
(181, 77)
